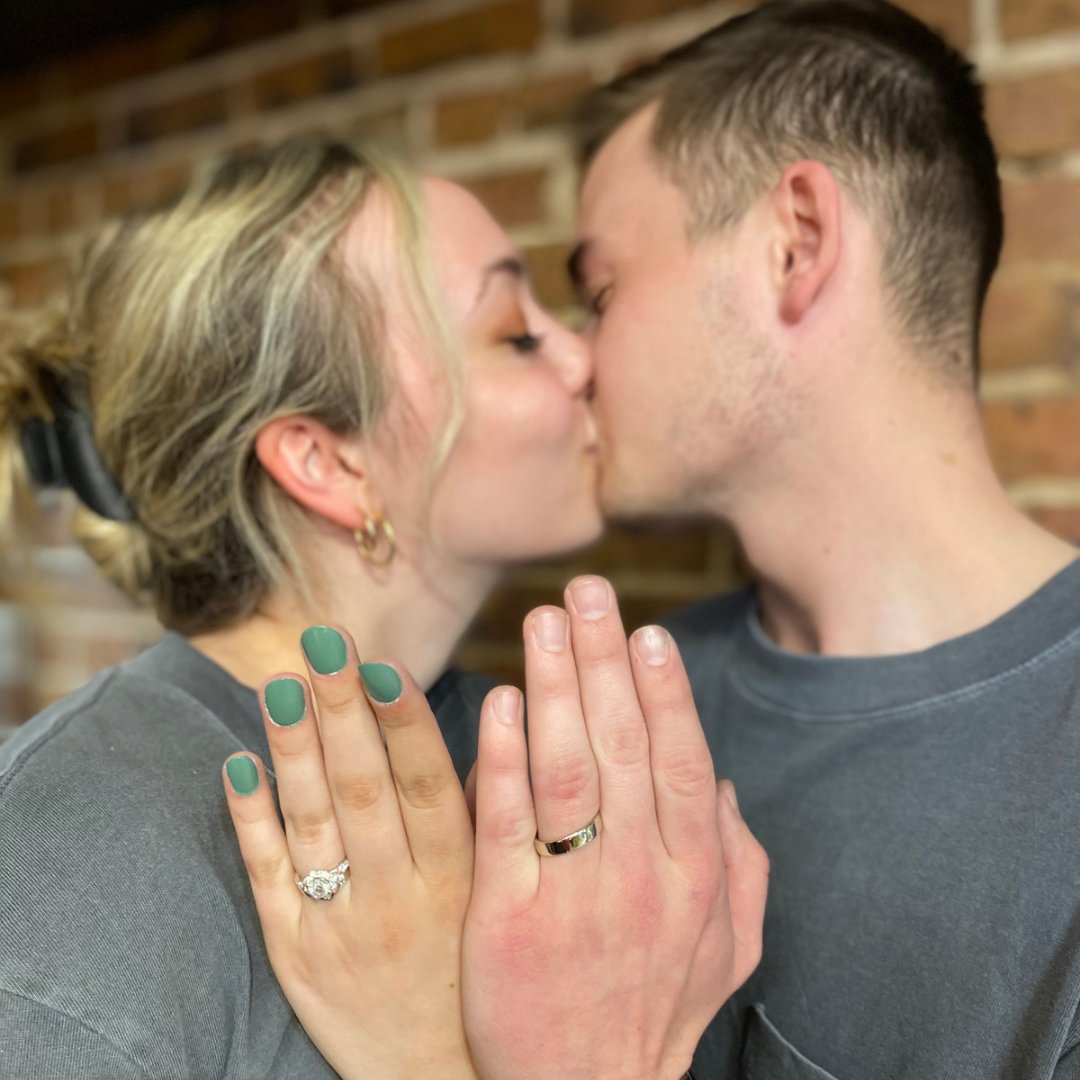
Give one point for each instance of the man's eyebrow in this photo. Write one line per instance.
(575, 265)
(510, 265)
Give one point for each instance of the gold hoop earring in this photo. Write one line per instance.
(376, 534)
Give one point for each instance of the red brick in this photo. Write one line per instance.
(165, 184)
(1062, 522)
(20, 92)
(511, 198)
(251, 22)
(192, 36)
(311, 78)
(514, 26)
(60, 210)
(203, 110)
(117, 194)
(550, 281)
(1028, 18)
(32, 283)
(111, 63)
(598, 16)
(9, 220)
(1034, 440)
(1037, 115)
(950, 18)
(1042, 220)
(70, 144)
(552, 101)
(468, 119)
(1031, 318)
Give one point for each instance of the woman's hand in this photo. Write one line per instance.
(610, 960)
(374, 973)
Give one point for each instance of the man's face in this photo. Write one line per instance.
(682, 381)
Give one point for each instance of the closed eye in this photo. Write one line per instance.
(526, 343)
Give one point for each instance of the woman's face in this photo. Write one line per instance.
(520, 481)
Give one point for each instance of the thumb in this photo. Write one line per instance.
(747, 868)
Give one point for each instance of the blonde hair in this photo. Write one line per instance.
(185, 332)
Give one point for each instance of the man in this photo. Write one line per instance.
(787, 231)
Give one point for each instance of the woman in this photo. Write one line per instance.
(311, 392)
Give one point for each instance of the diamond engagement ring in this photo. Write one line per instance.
(323, 884)
(572, 842)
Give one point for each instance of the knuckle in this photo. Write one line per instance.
(567, 777)
(507, 830)
(624, 741)
(264, 870)
(423, 791)
(688, 774)
(359, 794)
(307, 827)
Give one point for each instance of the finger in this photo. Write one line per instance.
(565, 780)
(747, 868)
(507, 868)
(357, 769)
(470, 793)
(311, 828)
(262, 841)
(430, 797)
(684, 783)
(616, 727)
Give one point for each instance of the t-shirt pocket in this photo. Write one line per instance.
(767, 1055)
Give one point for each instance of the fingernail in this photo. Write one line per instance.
(382, 682)
(549, 629)
(652, 645)
(506, 700)
(325, 649)
(242, 774)
(285, 702)
(591, 597)
(729, 792)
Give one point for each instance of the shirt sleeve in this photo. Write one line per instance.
(38, 1042)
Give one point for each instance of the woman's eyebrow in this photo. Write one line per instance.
(511, 265)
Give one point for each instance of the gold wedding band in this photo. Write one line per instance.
(572, 842)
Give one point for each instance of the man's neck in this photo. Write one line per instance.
(890, 541)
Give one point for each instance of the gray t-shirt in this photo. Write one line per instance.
(129, 945)
(922, 815)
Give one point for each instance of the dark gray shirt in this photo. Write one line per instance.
(129, 945)
(922, 815)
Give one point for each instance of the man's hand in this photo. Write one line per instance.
(610, 960)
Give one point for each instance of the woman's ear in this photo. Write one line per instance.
(321, 470)
(806, 215)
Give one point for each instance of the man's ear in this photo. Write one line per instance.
(321, 470)
(806, 214)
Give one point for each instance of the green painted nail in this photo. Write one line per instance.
(285, 702)
(382, 682)
(324, 648)
(243, 775)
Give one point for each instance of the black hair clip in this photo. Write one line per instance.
(62, 453)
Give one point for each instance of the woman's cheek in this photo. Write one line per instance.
(521, 415)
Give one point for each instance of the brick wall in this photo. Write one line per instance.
(479, 90)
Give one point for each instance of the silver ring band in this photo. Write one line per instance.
(323, 884)
(572, 842)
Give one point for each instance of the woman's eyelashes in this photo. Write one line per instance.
(526, 343)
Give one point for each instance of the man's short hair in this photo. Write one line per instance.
(870, 92)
